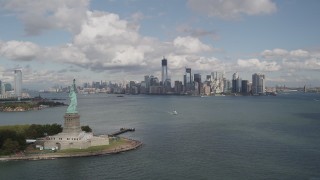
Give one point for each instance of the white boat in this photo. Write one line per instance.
(174, 112)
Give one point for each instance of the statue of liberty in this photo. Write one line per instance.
(73, 99)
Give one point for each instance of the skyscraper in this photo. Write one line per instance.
(165, 80)
(197, 78)
(147, 80)
(197, 83)
(236, 83)
(217, 83)
(188, 80)
(258, 84)
(18, 83)
(244, 86)
(164, 73)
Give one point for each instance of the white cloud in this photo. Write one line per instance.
(299, 53)
(19, 51)
(257, 65)
(108, 41)
(66, 54)
(307, 64)
(190, 45)
(227, 9)
(313, 63)
(275, 53)
(39, 16)
(294, 60)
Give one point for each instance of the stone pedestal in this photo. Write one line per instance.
(71, 123)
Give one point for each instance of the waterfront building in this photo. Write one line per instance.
(234, 86)
(208, 78)
(167, 86)
(197, 78)
(8, 87)
(236, 83)
(178, 87)
(86, 85)
(72, 136)
(96, 85)
(245, 86)
(196, 91)
(154, 81)
(227, 85)
(217, 83)
(154, 86)
(258, 84)
(250, 87)
(188, 83)
(143, 87)
(147, 80)
(133, 88)
(18, 83)
(197, 84)
(155, 89)
(206, 89)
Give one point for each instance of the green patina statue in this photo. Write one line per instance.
(73, 99)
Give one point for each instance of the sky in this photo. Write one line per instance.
(122, 40)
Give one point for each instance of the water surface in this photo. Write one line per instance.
(210, 138)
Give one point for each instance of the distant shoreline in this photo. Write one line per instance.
(23, 106)
(130, 144)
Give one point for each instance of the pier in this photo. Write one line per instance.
(121, 131)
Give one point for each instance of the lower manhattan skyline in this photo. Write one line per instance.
(53, 42)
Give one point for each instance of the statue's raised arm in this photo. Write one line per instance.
(73, 99)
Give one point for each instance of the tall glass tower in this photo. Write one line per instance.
(188, 80)
(18, 83)
(164, 74)
(258, 84)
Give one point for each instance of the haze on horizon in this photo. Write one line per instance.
(56, 41)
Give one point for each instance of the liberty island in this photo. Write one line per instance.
(73, 138)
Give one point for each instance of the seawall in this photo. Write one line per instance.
(131, 145)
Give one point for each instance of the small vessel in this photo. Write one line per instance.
(174, 112)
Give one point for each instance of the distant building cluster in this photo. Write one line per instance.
(213, 84)
(193, 84)
(6, 90)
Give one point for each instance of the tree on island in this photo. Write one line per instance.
(9, 146)
(11, 142)
(36, 130)
(86, 129)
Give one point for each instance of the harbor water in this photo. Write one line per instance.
(230, 137)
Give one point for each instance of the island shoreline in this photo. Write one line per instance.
(132, 145)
